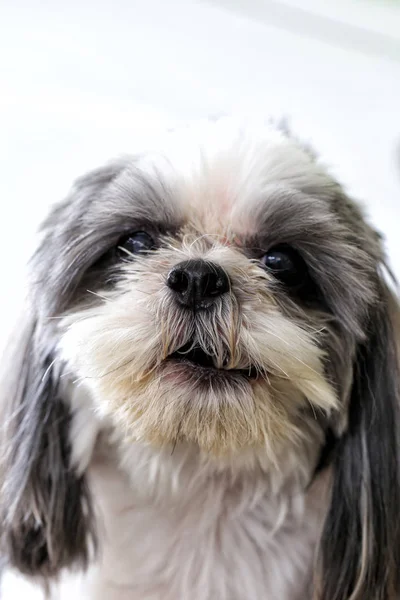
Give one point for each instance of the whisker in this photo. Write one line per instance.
(65, 374)
(83, 377)
(177, 435)
(128, 252)
(205, 236)
(48, 370)
(312, 408)
(54, 318)
(98, 295)
(291, 354)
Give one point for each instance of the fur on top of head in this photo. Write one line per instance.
(223, 294)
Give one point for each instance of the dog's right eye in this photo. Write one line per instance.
(135, 243)
(286, 265)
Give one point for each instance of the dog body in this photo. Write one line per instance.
(216, 541)
(204, 403)
(220, 539)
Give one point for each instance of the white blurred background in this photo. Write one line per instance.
(82, 81)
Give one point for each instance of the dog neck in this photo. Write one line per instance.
(174, 526)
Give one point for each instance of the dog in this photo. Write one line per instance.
(202, 399)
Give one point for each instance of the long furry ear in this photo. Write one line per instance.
(45, 510)
(46, 520)
(360, 547)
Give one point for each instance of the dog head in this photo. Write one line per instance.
(223, 293)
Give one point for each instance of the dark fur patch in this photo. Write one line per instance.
(46, 515)
(361, 541)
(103, 206)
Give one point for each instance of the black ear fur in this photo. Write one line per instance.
(360, 548)
(46, 517)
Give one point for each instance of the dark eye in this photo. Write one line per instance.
(286, 265)
(135, 243)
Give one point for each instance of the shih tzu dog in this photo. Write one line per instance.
(202, 403)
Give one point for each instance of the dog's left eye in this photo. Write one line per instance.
(135, 243)
(286, 265)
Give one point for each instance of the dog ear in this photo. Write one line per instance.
(45, 510)
(360, 546)
(46, 516)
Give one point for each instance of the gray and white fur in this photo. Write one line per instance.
(268, 472)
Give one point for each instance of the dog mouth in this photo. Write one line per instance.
(196, 358)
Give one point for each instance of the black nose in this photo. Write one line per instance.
(197, 283)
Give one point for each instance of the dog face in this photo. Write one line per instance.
(168, 354)
(221, 294)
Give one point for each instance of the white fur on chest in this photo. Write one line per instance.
(201, 537)
(179, 530)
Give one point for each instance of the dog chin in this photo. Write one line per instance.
(222, 412)
(221, 403)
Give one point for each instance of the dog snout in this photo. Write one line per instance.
(198, 283)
